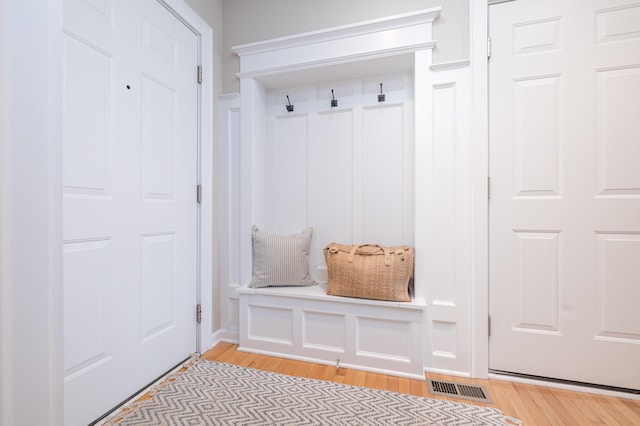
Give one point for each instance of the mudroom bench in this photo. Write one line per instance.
(305, 323)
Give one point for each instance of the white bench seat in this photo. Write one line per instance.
(305, 323)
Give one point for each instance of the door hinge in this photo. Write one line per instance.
(199, 193)
(489, 326)
(488, 47)
(199, 73)
(488, 188)
(198, 313)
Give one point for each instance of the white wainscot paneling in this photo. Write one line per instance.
(322, 330)
(229, 219)
(617, 290)
(288, 171)
(443, 201)
(333, 183)
(383, 338)
(444, 340)
(304, 323)
(270, 324)
(386, 192)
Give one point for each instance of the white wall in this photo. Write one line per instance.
(247, 21)
(31, 213)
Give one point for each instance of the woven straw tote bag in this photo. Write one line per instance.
(369, 271)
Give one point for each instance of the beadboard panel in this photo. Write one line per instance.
(332, 145)
(344, 171)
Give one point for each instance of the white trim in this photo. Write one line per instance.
(339, 32)
(338, 45)
(565, 386)
(455, 373)
(450, 65)
(347, 59)
(325, 362)
(205, 158)
(6, 312)
(444, 198)
(31, 315)
(226, 336)
(228, 215)
(480, 171)
(492, 2)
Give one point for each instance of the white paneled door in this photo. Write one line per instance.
(130, 211)
(565, 190)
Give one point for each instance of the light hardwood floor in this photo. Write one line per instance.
(533, 405)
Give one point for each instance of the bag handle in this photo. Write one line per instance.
(385, 250)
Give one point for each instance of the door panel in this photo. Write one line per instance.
(130, 213)
(565, 190)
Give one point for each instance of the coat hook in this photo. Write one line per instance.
(334, 101)
(289, 106)
(381, 95)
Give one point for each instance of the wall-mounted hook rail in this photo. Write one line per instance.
(289, 106)
(334, 101)
(381, 97)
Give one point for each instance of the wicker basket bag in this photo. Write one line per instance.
(369, 271)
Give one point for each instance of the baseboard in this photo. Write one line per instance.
(225, 335)
(325, 362)
(447, 372)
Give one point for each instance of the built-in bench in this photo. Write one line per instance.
(305, 323)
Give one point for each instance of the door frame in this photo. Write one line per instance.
(204, 288)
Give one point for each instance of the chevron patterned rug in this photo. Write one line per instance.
(212, 393)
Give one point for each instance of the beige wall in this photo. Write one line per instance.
(247, 21)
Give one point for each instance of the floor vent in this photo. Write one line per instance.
(459, 390)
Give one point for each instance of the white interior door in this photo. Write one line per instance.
(130, 210)
(565, 190)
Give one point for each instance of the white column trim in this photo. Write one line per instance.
(480, 203)
(31, 317)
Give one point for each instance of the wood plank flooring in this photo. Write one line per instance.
(533, 405)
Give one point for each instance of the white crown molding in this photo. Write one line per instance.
(378, 54)
(344, 31)
(372, 39)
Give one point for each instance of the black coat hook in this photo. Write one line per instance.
(334, 101)
(289, 106)
(381, 97)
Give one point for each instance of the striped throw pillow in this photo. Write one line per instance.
(281, 260)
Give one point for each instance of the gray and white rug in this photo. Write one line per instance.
(212, 393)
